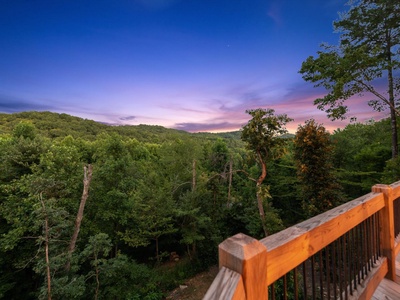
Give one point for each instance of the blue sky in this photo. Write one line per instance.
(195, 65)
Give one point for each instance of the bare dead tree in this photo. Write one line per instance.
(87, 178)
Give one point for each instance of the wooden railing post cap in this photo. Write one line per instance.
(237, 249)
(381, 188)
(248, 257)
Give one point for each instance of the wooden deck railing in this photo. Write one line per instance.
(343, 253)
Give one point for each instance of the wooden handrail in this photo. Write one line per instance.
(290, 247)
(227, 285)
(260, 263)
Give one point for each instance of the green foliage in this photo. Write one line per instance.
(391, 172)
(367, 48)
(262, 133)
(320, 190)
(154, 191)
(55, 126)
(282, 186)
(367, 51)
(287, 290)
(25, 130)
(263, 137)
(152, 217)
(122, 278)
(194, 222)
(216, 155)
(20, 154)
(360, 154)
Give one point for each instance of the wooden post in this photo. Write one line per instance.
(248, 257)
(387, 228)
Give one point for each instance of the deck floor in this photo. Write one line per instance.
(388, 289)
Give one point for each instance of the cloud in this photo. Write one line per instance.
(243, 97)
(9, 104)
(129, 118)
(181, 107)
(227, 111)
(207, 127)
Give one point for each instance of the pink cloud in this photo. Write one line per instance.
(229, 113)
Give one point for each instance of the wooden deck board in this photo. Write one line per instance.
(387, 289)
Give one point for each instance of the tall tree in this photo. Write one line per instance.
(320, 190)
(262, 134)
(368, 52)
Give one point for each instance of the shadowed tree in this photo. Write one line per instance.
(320, 190)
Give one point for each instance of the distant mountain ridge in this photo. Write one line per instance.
(56, 125)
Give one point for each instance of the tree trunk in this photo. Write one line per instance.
(87, 178)
(46, 245)
(393, 115)
(188, 251)
(194, 249)
(230, 181)
(194, 176)
(259, 195)
(157, 254)
(395, 148)
(96, 294)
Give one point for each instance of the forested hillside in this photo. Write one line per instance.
(89, 210)
(53, 125)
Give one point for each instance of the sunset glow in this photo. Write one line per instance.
(190, 65)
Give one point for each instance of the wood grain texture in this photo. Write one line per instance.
(290, 247)
(248, 257)
(387, 228)
(395, 189)
(387, 290)
(247, 268)
(227, 285)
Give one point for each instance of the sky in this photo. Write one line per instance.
(194, 65)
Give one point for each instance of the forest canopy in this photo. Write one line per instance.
(158, 201)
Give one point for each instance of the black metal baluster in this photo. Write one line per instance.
(367, 237)
(321, 274)
(340, 266)
(365, 250)
(305, 280)
(345, 266)
(313, 276)
(328, 270)
(373, 237)
(361, 254)
(334, 270)
(296, 284)
(273, 291)
(350, 260)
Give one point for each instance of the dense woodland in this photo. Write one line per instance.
(152, 191)
(89, 210)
